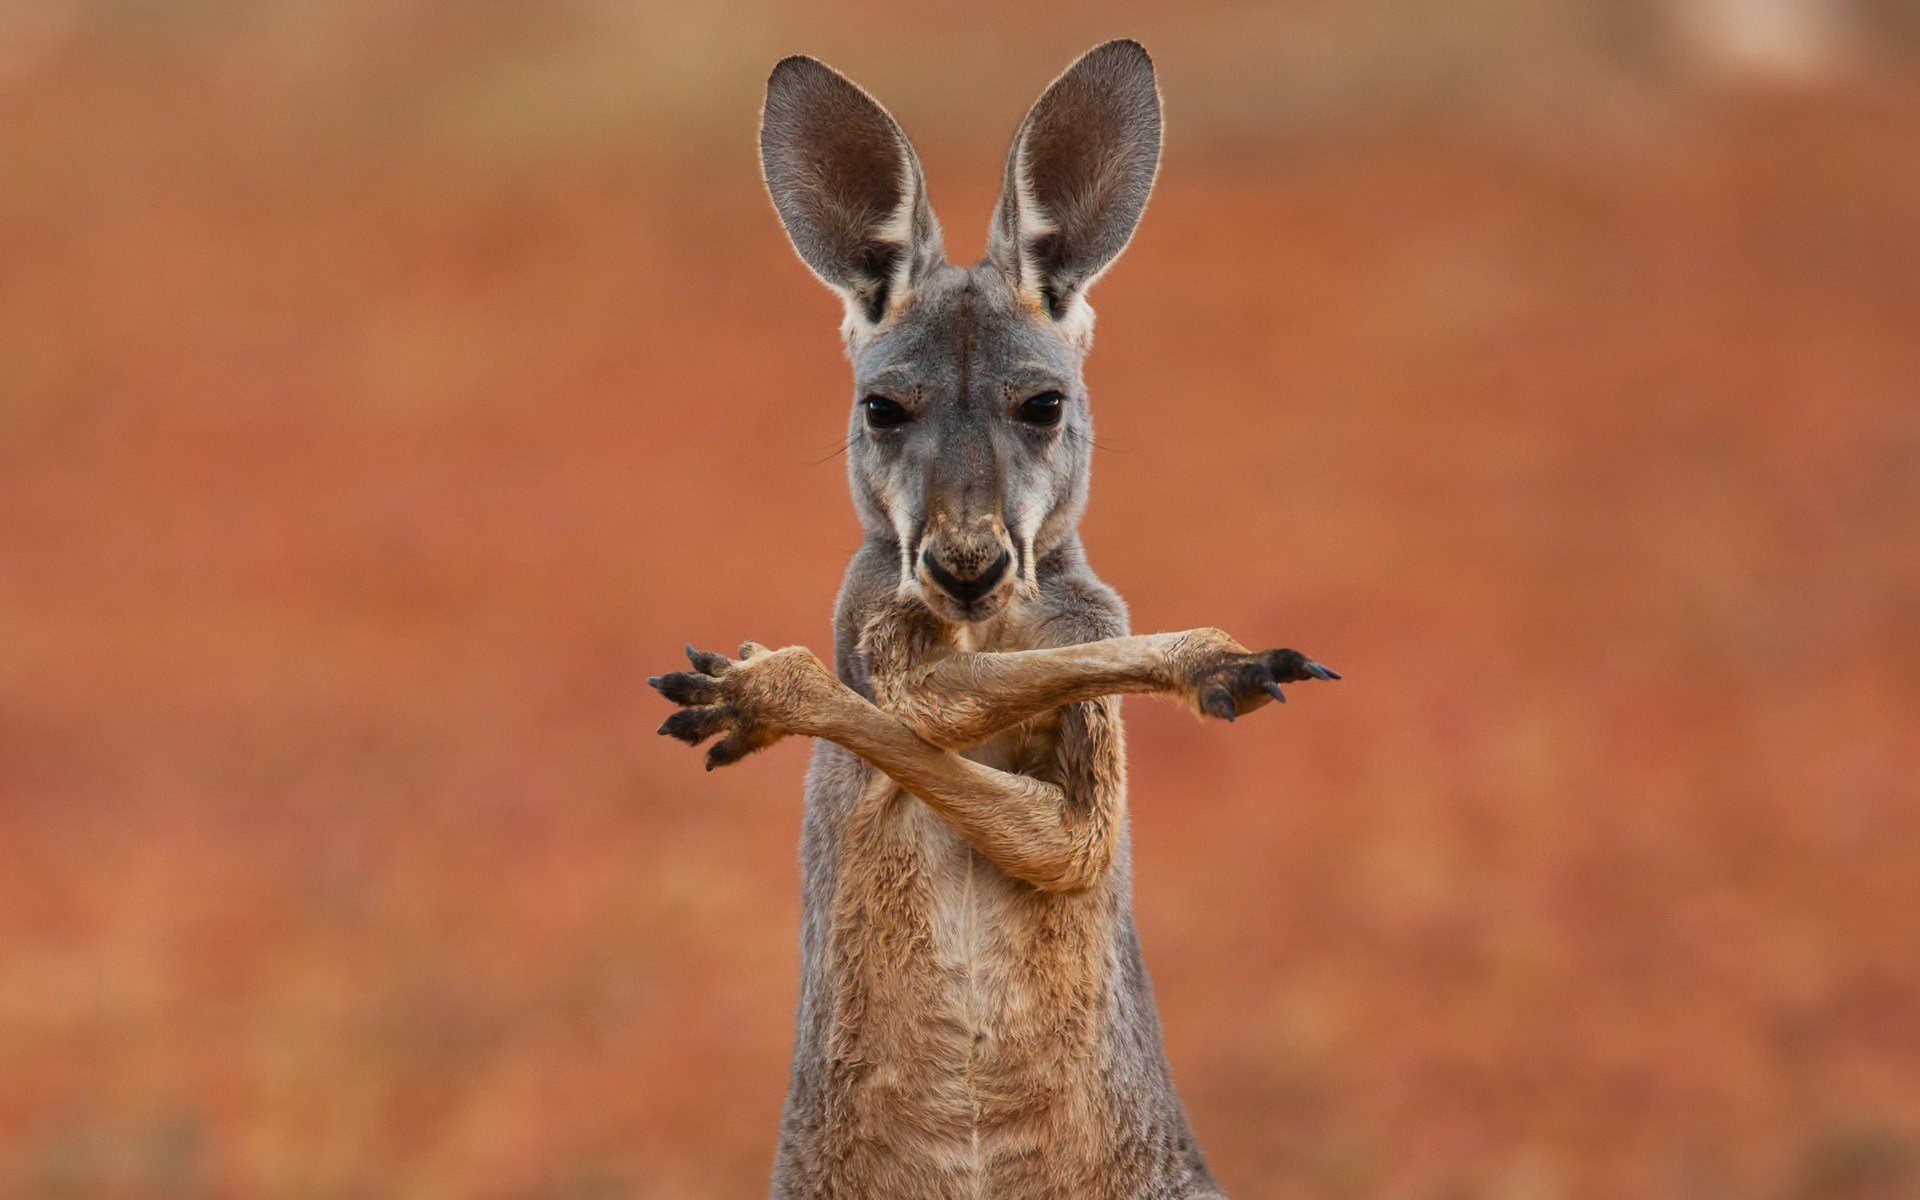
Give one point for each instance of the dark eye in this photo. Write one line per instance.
(883, 413)
(1041, 408)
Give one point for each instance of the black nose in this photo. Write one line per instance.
(967, 590)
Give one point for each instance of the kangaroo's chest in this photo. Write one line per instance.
(969, 997)
(997, 940)
(976, 923)
(975, 1021)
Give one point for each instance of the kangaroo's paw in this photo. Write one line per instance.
(1220, 678)
(755, 700)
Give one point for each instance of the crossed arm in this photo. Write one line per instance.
(1055, 836)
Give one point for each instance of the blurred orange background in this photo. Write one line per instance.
(386, 389)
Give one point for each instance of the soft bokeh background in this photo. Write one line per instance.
(387, 388)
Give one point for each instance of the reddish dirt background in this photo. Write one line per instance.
(351, 485)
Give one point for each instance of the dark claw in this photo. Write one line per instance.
(1291, 666)
(1273, 689)
(1218, 702)
(728, 750)
(687, 687)
(706, 661)
(1285, 665)
(694, 725)
(1251, 676)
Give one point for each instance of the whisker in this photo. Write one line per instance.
(1089, 440)
(845, 444)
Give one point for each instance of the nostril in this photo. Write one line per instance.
(967, 589)
(994, 571)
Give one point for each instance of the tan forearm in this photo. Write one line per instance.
(1020, 823)
(964, 699)
(1054, 837)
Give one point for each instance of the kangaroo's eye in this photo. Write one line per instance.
(883, 413)
(1041, 408)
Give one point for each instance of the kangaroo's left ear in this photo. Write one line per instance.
(848, 187)
(1077, 179)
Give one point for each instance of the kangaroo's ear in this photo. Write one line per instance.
(1078, 177)
(848, 187)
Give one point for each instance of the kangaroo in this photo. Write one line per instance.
(975, 1019)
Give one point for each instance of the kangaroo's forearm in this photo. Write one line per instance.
(1020, 823)
(964, 699)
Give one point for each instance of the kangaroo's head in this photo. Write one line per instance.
(970, 433)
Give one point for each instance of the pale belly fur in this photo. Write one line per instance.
(1008, 1063)
(984, 1050)
(965, 1036)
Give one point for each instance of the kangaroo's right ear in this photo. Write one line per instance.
(1077, 179)
(848, 188)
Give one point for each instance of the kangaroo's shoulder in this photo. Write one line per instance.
(1075, 605)
(871, 581)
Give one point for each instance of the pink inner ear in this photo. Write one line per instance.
(1080, 174)
(840, 171)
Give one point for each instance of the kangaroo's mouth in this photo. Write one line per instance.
(966, 588)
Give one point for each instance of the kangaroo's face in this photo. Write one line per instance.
(969, 439)
(970, 430)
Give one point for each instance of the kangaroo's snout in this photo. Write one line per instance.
(965, 569)
(968, 582)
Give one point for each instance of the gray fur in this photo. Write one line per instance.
(1078, 175)
(975, 1018)
(842, 175)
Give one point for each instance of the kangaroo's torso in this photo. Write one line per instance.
(961, 1033)
(974, 1017)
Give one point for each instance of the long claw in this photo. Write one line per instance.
(706, 661)
(1218, 702)
(1273, 689)
(687, 687)
(694, 725)
(1321, 672)
(728, 750)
